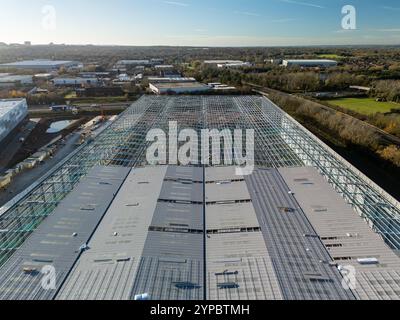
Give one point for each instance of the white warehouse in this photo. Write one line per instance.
(235, 65)
(75, 81)
(12, 112)
(178, 87)
(217, 62)
(126, 63)
(42, 64)
(318, 63)
(11, 80)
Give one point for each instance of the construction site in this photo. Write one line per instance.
(305, 225)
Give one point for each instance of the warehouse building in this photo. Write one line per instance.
(234, 65)
(164, 67)
(178, 87)
(101, 75)
(320, 63)
(7, 80)
(12, 112)
(227, 64)
(44, 76)
(41, 64)
(170, 80)
(305, 225)
(132, 63)
(75, 82)
(217, 62)
(100, 92)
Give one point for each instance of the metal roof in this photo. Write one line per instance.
(239, 266)
(301, 262)
(58, 240)
(253, 237)
(172, 263)
(175, 85)
(346, 235)
(222, 61)
(38, 63)
(16, 78)
(108, 269)
(310, 61)
(7, 105)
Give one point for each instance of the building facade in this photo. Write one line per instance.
(310, 63)
(75, 81)
(41, 64)
(178, 87)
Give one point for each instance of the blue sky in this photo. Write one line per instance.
(200, 22)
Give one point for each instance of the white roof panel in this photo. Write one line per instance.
(8, 105)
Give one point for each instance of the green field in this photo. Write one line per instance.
(364, 105)
(331, 56)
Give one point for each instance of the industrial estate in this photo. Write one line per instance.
(305, 225)
(199, 159)
(294, 194)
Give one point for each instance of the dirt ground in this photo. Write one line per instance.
(39, 138)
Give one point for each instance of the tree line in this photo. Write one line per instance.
(346, 128)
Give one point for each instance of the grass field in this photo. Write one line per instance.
(364, 105)
(331, 56)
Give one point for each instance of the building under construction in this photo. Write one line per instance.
(305, 225)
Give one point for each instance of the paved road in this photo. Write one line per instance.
(107, 106)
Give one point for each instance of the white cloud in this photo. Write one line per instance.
(391, 8)
(388, 30)
(345, 31)
(246, 13)
(283, 20)
(175, 3)
(307, 4)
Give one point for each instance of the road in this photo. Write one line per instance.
(89, 107)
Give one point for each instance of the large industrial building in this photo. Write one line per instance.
(217, 62)
(170, 80)
(130, 63)
(75, 81)
(12, 80)
(318, 63)
(305, 225)
(178, 87)
(41, 64)
(12, 112)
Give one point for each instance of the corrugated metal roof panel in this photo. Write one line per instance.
(59, 239)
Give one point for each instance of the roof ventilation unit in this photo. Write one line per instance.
(368, 261)
(142, 297)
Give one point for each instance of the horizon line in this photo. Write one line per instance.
(199, 46)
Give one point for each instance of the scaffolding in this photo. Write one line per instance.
(279, 142)
(22, 217)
